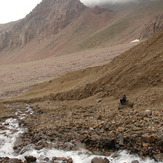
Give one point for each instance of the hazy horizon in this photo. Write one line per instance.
(14, 10)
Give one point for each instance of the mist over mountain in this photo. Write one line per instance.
(114, 4)
(99, 2)
(57, 27)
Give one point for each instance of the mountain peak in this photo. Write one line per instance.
(47, 18)
(57, 7)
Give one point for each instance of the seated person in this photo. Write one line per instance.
(123, 100)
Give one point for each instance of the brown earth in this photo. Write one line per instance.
(17, 78)
(83, 106)
(138, 69)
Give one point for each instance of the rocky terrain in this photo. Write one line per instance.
(62, 27)
(74, 94)
(70, 113)
(153, 27)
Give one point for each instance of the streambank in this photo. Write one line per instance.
(69, 140)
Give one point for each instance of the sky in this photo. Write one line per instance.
(104, 1)
(97, 2)
(11, 10)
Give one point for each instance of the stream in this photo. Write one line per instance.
(10, 132)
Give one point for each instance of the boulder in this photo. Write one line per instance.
(107, 143)
(158, 157)
(30, 159)
(100, 160)
(135, 161)
(62, 159)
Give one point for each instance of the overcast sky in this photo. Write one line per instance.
(96, 2)
(11, 10)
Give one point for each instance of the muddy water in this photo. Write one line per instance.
(10, 132)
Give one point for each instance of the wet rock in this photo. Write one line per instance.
(100, 160)
(116, 154)
(62, 159)
(30, 159)
(158, 157)
(107, 143)
(46, 159)
(135, 161)
(8, 160)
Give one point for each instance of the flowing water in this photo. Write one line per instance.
(10, 132)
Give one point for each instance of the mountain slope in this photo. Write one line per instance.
(66, 26)
(49, 28)
(136, 71)
(136, 23)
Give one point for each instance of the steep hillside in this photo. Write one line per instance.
(137, 70)
(66, 26)
(49, 29)
(128, 25)
(83, 106)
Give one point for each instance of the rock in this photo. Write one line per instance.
(126, 105)
(135, 161)
(158, 157)
(98, 100)
(30, 158)
(100, 160)
(120, 129)
(148, 113)
(145, 144)
(99, 117)
(116, 154)
(106, 127)
(9, 160)
(121, 140)
(107, 143)
(63, 159)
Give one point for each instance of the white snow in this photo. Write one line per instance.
(134, 41)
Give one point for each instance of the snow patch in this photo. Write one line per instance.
(134, 41)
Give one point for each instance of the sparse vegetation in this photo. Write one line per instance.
(104, 35)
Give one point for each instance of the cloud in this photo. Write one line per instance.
(113, 2)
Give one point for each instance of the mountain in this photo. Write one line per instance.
(58, 27)
(82, 107)
(137, 72)
(49, 28)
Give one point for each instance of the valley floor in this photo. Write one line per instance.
(17, 78)
(98, 123)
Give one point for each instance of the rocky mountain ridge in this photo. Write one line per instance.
(63, 27)
(47, 18)
(83, 106)
(51, 24)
